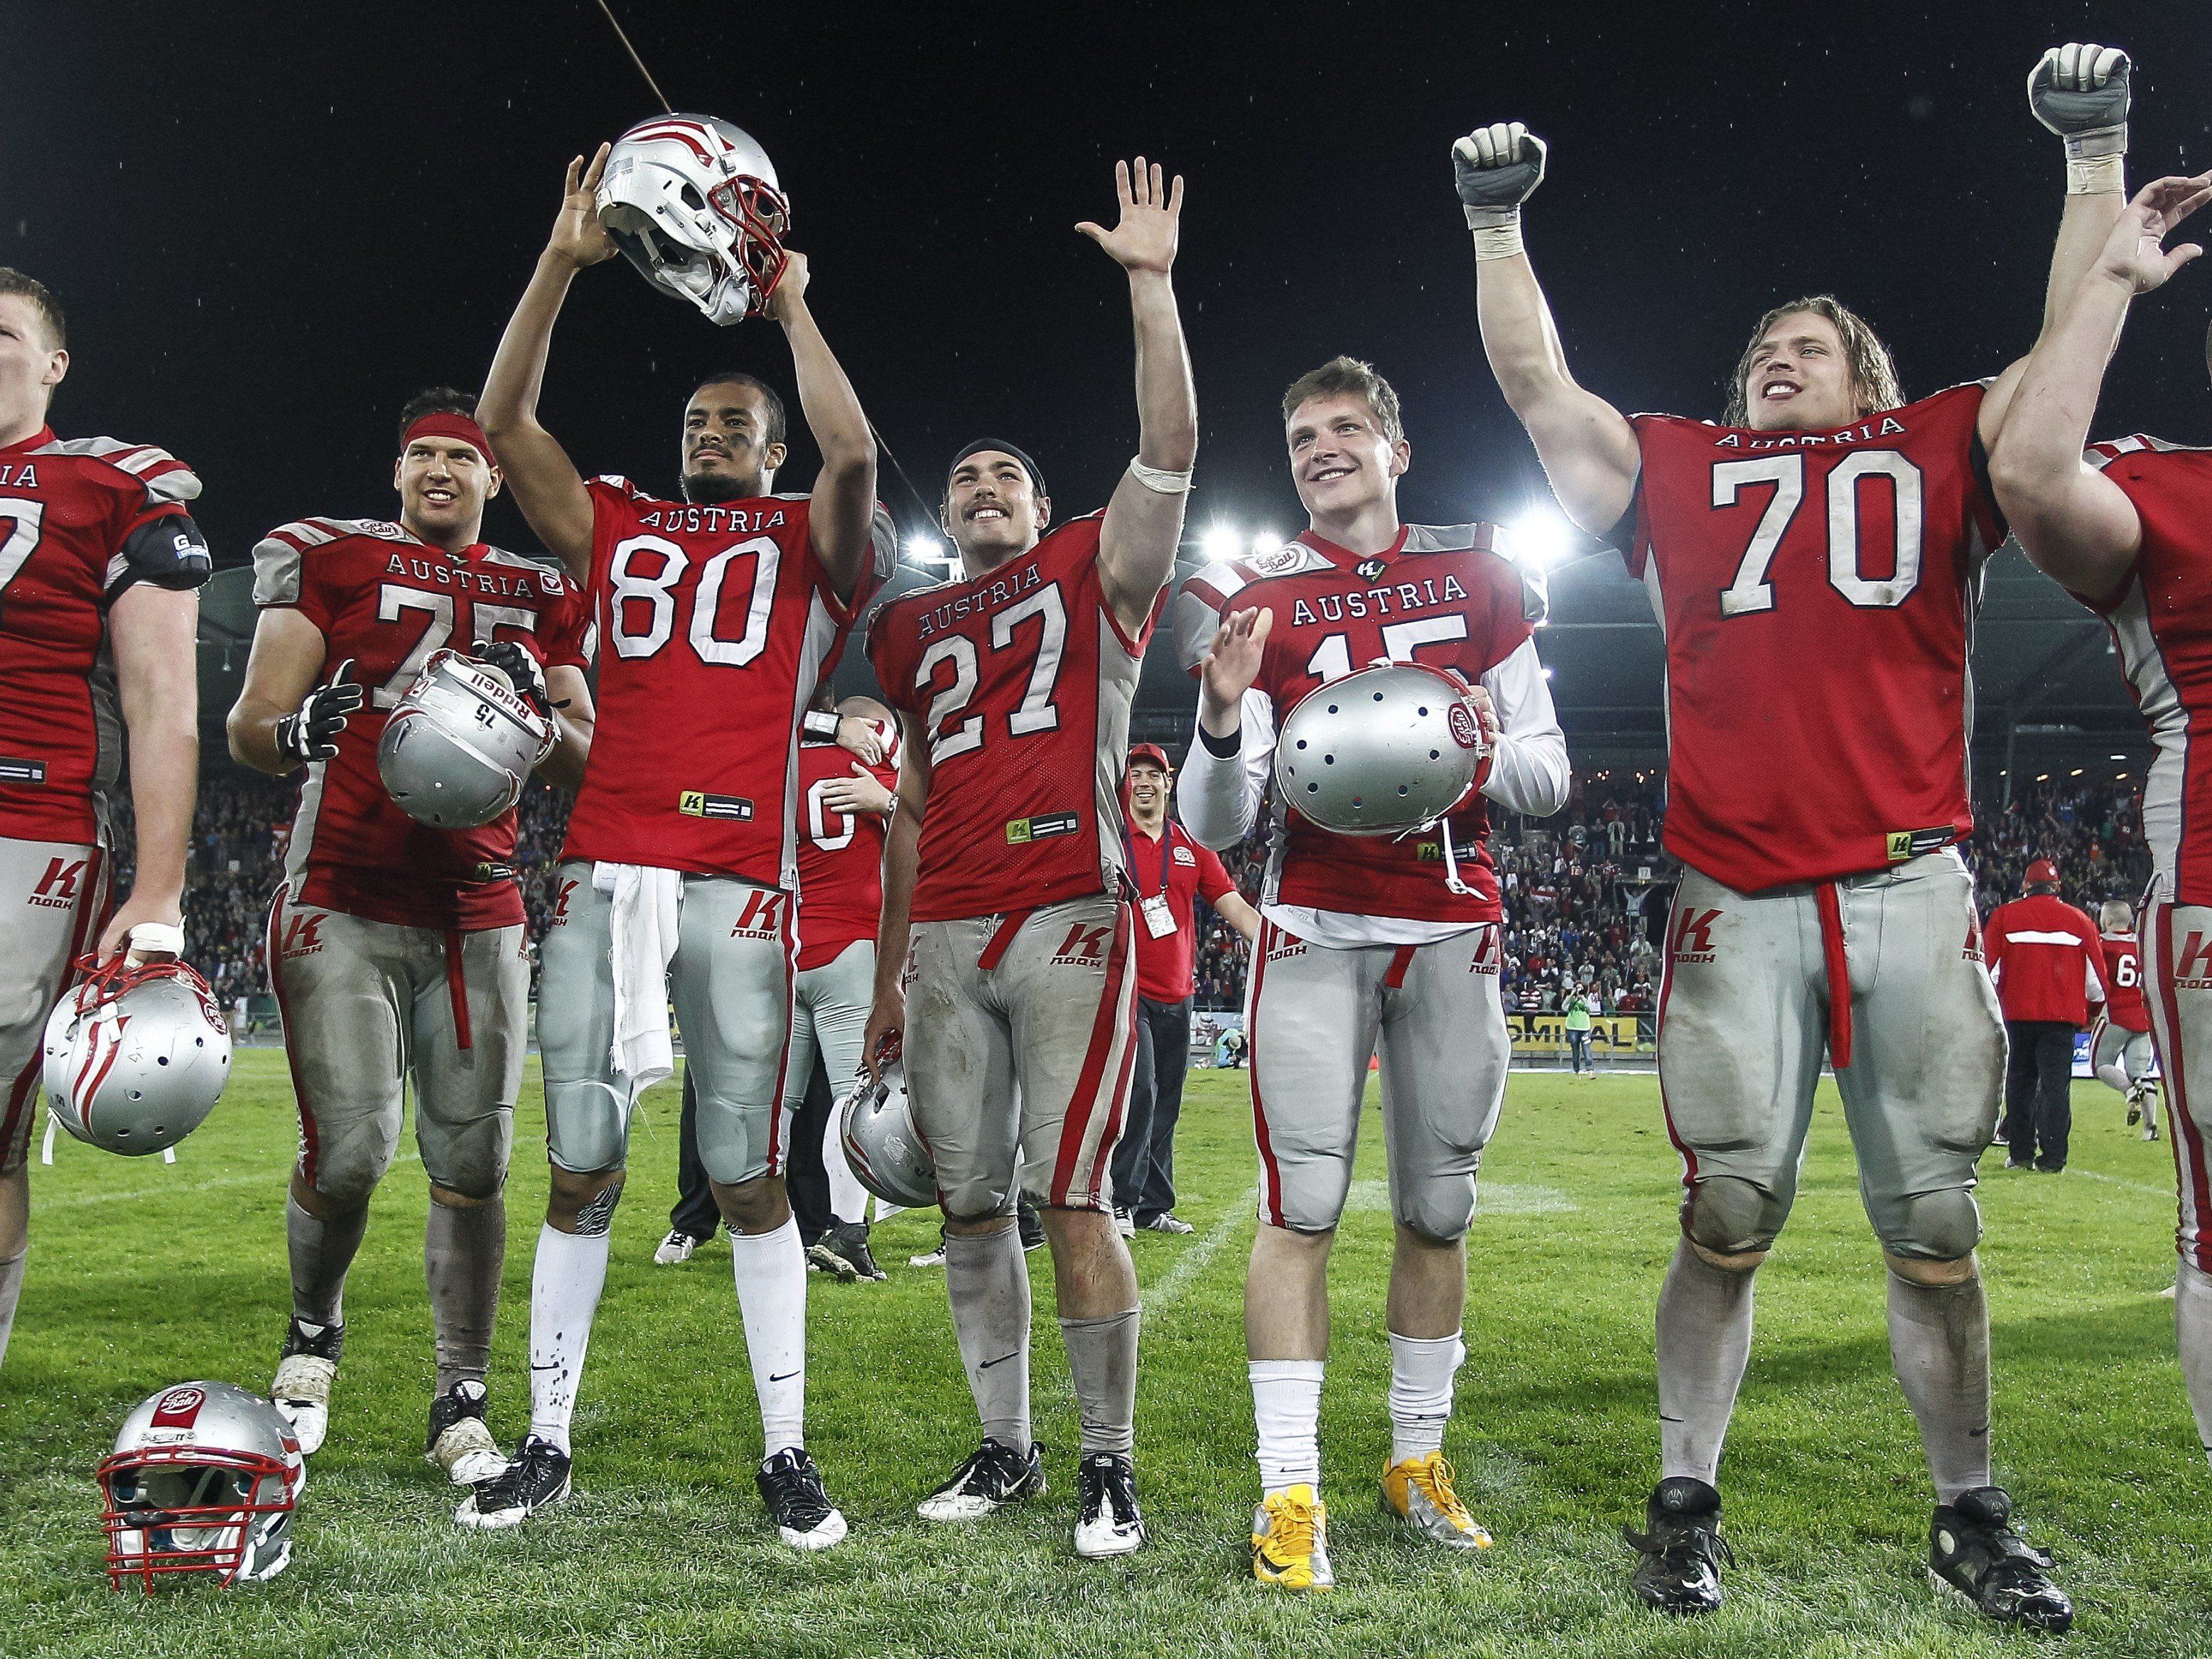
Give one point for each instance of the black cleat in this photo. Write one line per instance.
(1107, 1520)
(539, 1476)
(843, 1250)
(993, 1476)
(1682, 1548)
(1973, 1552)
(790, 1486)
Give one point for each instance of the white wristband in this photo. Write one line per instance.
(150, 938)
(1497, 232)
(1162, 480)
(2092, 175)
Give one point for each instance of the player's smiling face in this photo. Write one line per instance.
(30, 366)
(1800, 378)
(1341, 460)
(992, 509)
(443, 485)
(726, 454)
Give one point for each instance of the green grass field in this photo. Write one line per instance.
(143, 1274)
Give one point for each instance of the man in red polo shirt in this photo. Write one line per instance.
(2049, 964)
(1171, 872)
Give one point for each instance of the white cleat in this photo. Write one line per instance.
(676, 1248)
(303, 1393)
(1107, 1522)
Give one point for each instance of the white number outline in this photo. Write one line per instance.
(960, 651)
(1038, 712)
(818, 816)
(27, 518)
(1750, 592)
(1400, 640)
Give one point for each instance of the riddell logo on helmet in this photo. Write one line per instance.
(1693, 939)
(58, 887)
(1466, 730)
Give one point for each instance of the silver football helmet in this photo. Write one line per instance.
(136, 1055)
(203, 1480)
(692, 201)
(1385, 751)
(887, 1153)
(460, 746)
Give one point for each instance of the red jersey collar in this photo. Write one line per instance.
(1343, 558)
(38, 440)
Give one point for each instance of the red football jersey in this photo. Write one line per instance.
(389, 601)
(1817, 590)
(2161, 622)
(714, 624)
(1185, 872)
(79, 523)
(1021, 679)
(2123, 995)
(1441, 595)
(841, 855)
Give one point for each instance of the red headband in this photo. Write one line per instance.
(446, 425)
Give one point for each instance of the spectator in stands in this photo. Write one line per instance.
(2049, 964)
(1578, 1034)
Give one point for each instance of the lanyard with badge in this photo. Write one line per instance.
(1159, 921)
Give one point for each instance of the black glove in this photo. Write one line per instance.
(313, 733)
(522, 671)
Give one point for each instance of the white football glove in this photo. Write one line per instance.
(1497, 168)
(2081, 93)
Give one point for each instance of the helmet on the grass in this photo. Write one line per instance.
(203, 1480)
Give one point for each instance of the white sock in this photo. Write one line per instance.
(2192, 1325)
(1286, 1406)
(1421, 1369)
(848, 1199)
(565, 1282)
(885, 1211)
(771, 1275)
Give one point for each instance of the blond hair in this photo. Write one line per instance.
(1874, 375)
(1348, 377)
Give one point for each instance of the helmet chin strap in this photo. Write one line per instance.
(1451, 865)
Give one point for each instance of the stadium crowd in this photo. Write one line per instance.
(1585, 891)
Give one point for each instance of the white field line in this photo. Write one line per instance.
(214, 1183)
(2132, 1186)
(1198, 1257)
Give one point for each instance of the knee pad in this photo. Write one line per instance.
(1440, 1212)
(586, 1126)
(1939, 1226)
(1730, 1216)
(473, 1161)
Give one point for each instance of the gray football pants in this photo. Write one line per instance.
(54, 895)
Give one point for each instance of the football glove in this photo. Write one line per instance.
(1497, 168)
(523, 672)
(313, 733)
(2081, 93)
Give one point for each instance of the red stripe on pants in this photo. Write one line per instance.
(310, 1142)
(1103, 1025)
(1271, 1174)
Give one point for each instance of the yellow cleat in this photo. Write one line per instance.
(1290, 1541)
(1419, 1491)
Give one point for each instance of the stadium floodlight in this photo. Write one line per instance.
(1541, 536)
(1220, 543)
(927, 549)
(1266, 540)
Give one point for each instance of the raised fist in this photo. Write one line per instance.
(313, 733)
(2078, 89)
(1497, 168)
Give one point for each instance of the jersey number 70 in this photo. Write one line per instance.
(1751, 591)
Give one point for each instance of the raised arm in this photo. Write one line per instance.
(2081, 93)
(1225, 776)
(546, 484)
(1587, 446)
(156, 674)
(842, 514)
(2076, 524)
(1144, 521)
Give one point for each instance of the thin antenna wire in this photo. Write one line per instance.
(928, 513)
(622, 37)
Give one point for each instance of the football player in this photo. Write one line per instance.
(716, 614)
(397, 950)
(847, 804)
(2121, 1051)
(1005, 952)
(1366, 951)
(2128, 529)
(1815, 561)
(100, 568)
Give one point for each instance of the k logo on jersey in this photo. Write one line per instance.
(560, 916)
(763, 916)
(303, 935)
(2192, 966)
(1693, 939)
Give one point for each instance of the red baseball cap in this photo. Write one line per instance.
(1159, 756)
(2042, 873)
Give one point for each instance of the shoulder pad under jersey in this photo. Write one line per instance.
(549, 576)
(1203, 599)
(165, 480)
(276, 555)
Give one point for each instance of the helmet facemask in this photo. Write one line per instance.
(692, 201)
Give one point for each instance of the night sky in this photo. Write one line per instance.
(270, 225)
